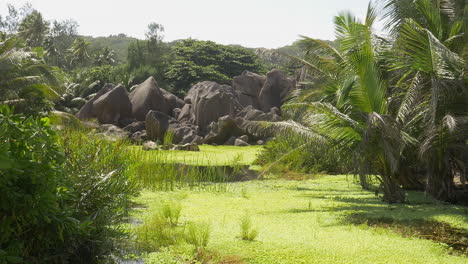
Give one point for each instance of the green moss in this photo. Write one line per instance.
(307, 222)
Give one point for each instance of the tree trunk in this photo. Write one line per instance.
(441, 186)
(393, 193)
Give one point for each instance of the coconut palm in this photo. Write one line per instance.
(354, 111)
(429, 46)
(106, 57)
(400, 105)
(79, 51)
(25, 79)
(33, 29)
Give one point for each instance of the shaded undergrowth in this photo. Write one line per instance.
(455, 238)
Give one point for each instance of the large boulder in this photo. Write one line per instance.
(113, 133)
(275, 90)
(158, 124)
(210, 101)
(113, 106)
(135, 127)
(248, 85)
(222, 130)
(146, 97)
(87, 112)
(252, 114)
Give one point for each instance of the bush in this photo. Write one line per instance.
(35, 223)
(302, 154)
(99, 175)
(62, 197)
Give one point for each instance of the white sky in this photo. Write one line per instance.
(251, 23)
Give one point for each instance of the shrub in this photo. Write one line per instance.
(62, 197)
(304, 155)
(198, 234)
(99, 176)
(35, 223)
(171, 212)
(247, 231)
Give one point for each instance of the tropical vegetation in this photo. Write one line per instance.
(384, 113)
(396, 105)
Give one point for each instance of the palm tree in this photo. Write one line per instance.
(79, 51)
(399, 105)
(33, 29)
(353, 112)
(429, 43)
(25, 79)
(106, 57)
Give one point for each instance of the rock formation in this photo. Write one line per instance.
(113, 106)
(210, 113)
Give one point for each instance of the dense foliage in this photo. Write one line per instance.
(35, 223)
(197, 61)
(397, 105)
(62, 197)
(305, 154)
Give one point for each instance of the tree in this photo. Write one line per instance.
(60, 39)
(354, 112)
(106, 57)
(155, 32)
(33, 29)
(429, 57)
(25, 80)
(399, 105)
(197, 61)
(9, 24)
(79, 52)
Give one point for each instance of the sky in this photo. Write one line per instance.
(251, 23)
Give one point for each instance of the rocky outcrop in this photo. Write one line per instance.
(146, 97)
(222, 130)
(87, 112)
(113, 106)
(248, 85)
(275, 90)
(252, 114)
(210, 113)
(113, 133)
(210, 101)
(158, 124)
(240, 143)
(135, 127)
(150, 145)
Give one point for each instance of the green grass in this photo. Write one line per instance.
(306, 222)
(208, 155)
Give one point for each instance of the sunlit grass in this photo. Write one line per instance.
(307, 222)
(208, 155)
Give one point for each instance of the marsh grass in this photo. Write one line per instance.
(156, 232)
(159, 172)
(171, 212)
(248, 232)
(198, 234)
